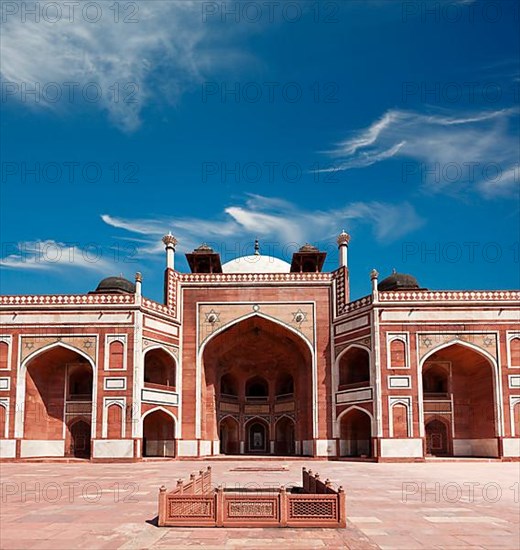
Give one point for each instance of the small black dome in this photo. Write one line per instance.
(115, 285)
(399, 281)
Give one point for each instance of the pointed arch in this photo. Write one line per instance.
(284, 435)
(159, 408)
(258, 435)
(497, 383)
(48, 347)
(277, 329)
(161, 374)
(357, 407)
(4, 419)
(356, 427)
(458, 342)
(438, 436)
(159, 437)
(283, 416)
(115, 427)
(340, 376)
(229, 435)
(238, 320)
(163, 348)
(400, 427)
(257, 387)
(353, 345)
(19, 431)
(228, 416)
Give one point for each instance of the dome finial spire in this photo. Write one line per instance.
(257, 248)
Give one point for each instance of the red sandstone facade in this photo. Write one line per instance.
(257, 357)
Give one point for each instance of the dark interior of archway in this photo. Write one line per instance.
(356, 432)
(354, 368)
(158, 434)
(471, 385)
(237, 359)
(159, 368)
(435, 380)
(45, 389)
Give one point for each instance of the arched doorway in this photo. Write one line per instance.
(459, 405)
(284, 442)
(257, 437)
(158, 434)
(356, 434)
(257, 369)
(58, 401)
(437, 438)
(79, 439)
(228, 435)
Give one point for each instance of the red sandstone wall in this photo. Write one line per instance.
(267, 294)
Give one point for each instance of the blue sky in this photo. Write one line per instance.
(396, 121)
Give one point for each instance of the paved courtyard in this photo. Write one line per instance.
(401, 506)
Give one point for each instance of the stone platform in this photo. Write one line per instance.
(444, 505)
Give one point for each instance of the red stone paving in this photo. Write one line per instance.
(389, 506)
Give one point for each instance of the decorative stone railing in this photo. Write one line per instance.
(450, 296)
(435, 296)
(197, 504)
(155, 306)
(67, 299)
(358, 304)
(254, 277)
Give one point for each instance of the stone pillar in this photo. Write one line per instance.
(373, 278)
(343, 240)
(170, 242)
(138, 284)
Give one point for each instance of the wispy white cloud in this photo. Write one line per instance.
(52, 255)
(159, 55)
(450, 151)
(276, 220)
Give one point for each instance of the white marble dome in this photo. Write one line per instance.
(256, 264)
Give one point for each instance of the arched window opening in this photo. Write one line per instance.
(397, 354)
(159, 369)
(514, 347)
(354, 369)
(4, 354)
(400, 420)
(435, 382)
(80, 382)
(116, 355)
(3, 420)
(228, 387)
(285, 387)
(114, 422)
(516, 419)
(257, 389)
